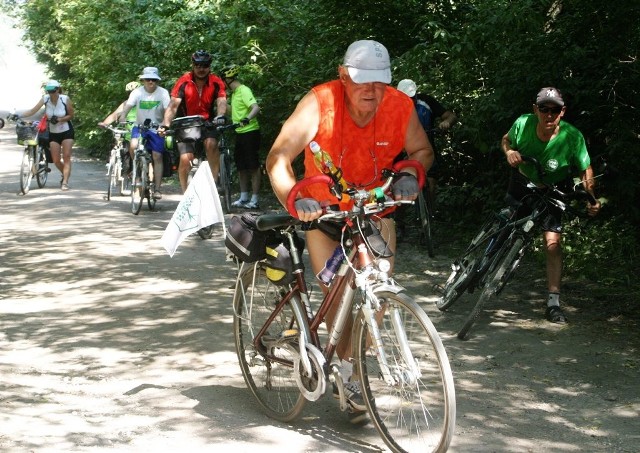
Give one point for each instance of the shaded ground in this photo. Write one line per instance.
(108, 344)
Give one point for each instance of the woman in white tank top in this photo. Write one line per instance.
(59, 111)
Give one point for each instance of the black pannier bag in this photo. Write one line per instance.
(245, 241)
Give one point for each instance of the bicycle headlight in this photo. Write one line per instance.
(384, 265)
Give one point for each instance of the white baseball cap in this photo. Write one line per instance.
(408, 87)
(368, 61)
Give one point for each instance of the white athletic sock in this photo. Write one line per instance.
(244, 196)
(254, 198)
(346, 370)
(553, 300)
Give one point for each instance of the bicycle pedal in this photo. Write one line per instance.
(289, 333)
(47, 170)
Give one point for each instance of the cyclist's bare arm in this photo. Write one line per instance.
(513, 156)
(171, 110)
(112, 117)
(417, 145)
(588, 181)
(296, 133)
(221, 106)
(33, 110)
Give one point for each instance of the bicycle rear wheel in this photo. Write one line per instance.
(267, 370)
(502, 268)
(424, 217)
(26, 169)
(137, 186)
(464, 268)
(418, 412)
(225, 182)
(42, 167)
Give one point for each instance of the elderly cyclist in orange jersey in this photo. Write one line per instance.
(363, 124)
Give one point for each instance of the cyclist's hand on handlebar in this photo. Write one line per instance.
(308, 209)
(405, 187)
(220, 120)
(593, 209)
(514, 158)
(162, 130)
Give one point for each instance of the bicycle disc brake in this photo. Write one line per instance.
(311, 387)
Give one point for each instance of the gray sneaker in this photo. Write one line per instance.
(251, 205)
(353, 394)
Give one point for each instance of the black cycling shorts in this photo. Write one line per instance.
(246, 153)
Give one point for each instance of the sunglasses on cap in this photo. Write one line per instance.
(52, 91)
(546, 109)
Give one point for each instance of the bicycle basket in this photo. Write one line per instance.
(26, 132)
(279, 268)
(245, 241)
(188, 128)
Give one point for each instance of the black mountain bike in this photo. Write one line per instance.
(496, 250)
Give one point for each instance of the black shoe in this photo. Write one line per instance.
(556, 315)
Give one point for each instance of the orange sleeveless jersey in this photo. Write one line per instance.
(361, 152)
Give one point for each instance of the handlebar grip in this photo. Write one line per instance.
(293, 193)
(414, 164)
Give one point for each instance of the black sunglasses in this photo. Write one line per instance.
(150, 80)
(52, 91)
(201, 65)
(545, 109)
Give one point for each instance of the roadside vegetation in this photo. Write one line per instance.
(485, 59)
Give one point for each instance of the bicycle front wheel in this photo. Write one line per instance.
(424, 217)
(26, 169)
(464, 268)
(151, 200)
(417, 411)
(225, 182)
(111, 175)
(495, 283)
(268, 367)
(137, 186)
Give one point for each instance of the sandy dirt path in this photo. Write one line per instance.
(107, 343)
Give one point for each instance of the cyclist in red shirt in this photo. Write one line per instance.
(198, 92)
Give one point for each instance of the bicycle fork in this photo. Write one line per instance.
(370, 308)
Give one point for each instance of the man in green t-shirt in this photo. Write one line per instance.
(561, 150)
(244, 109)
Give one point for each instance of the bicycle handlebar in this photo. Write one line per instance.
(115, 130)
(370, 201)
(208, 124)
(579, 191)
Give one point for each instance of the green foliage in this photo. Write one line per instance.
(484, 59)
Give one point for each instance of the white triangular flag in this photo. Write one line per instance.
(200, 207)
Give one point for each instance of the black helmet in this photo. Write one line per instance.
(201, 57)
(230, 72)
